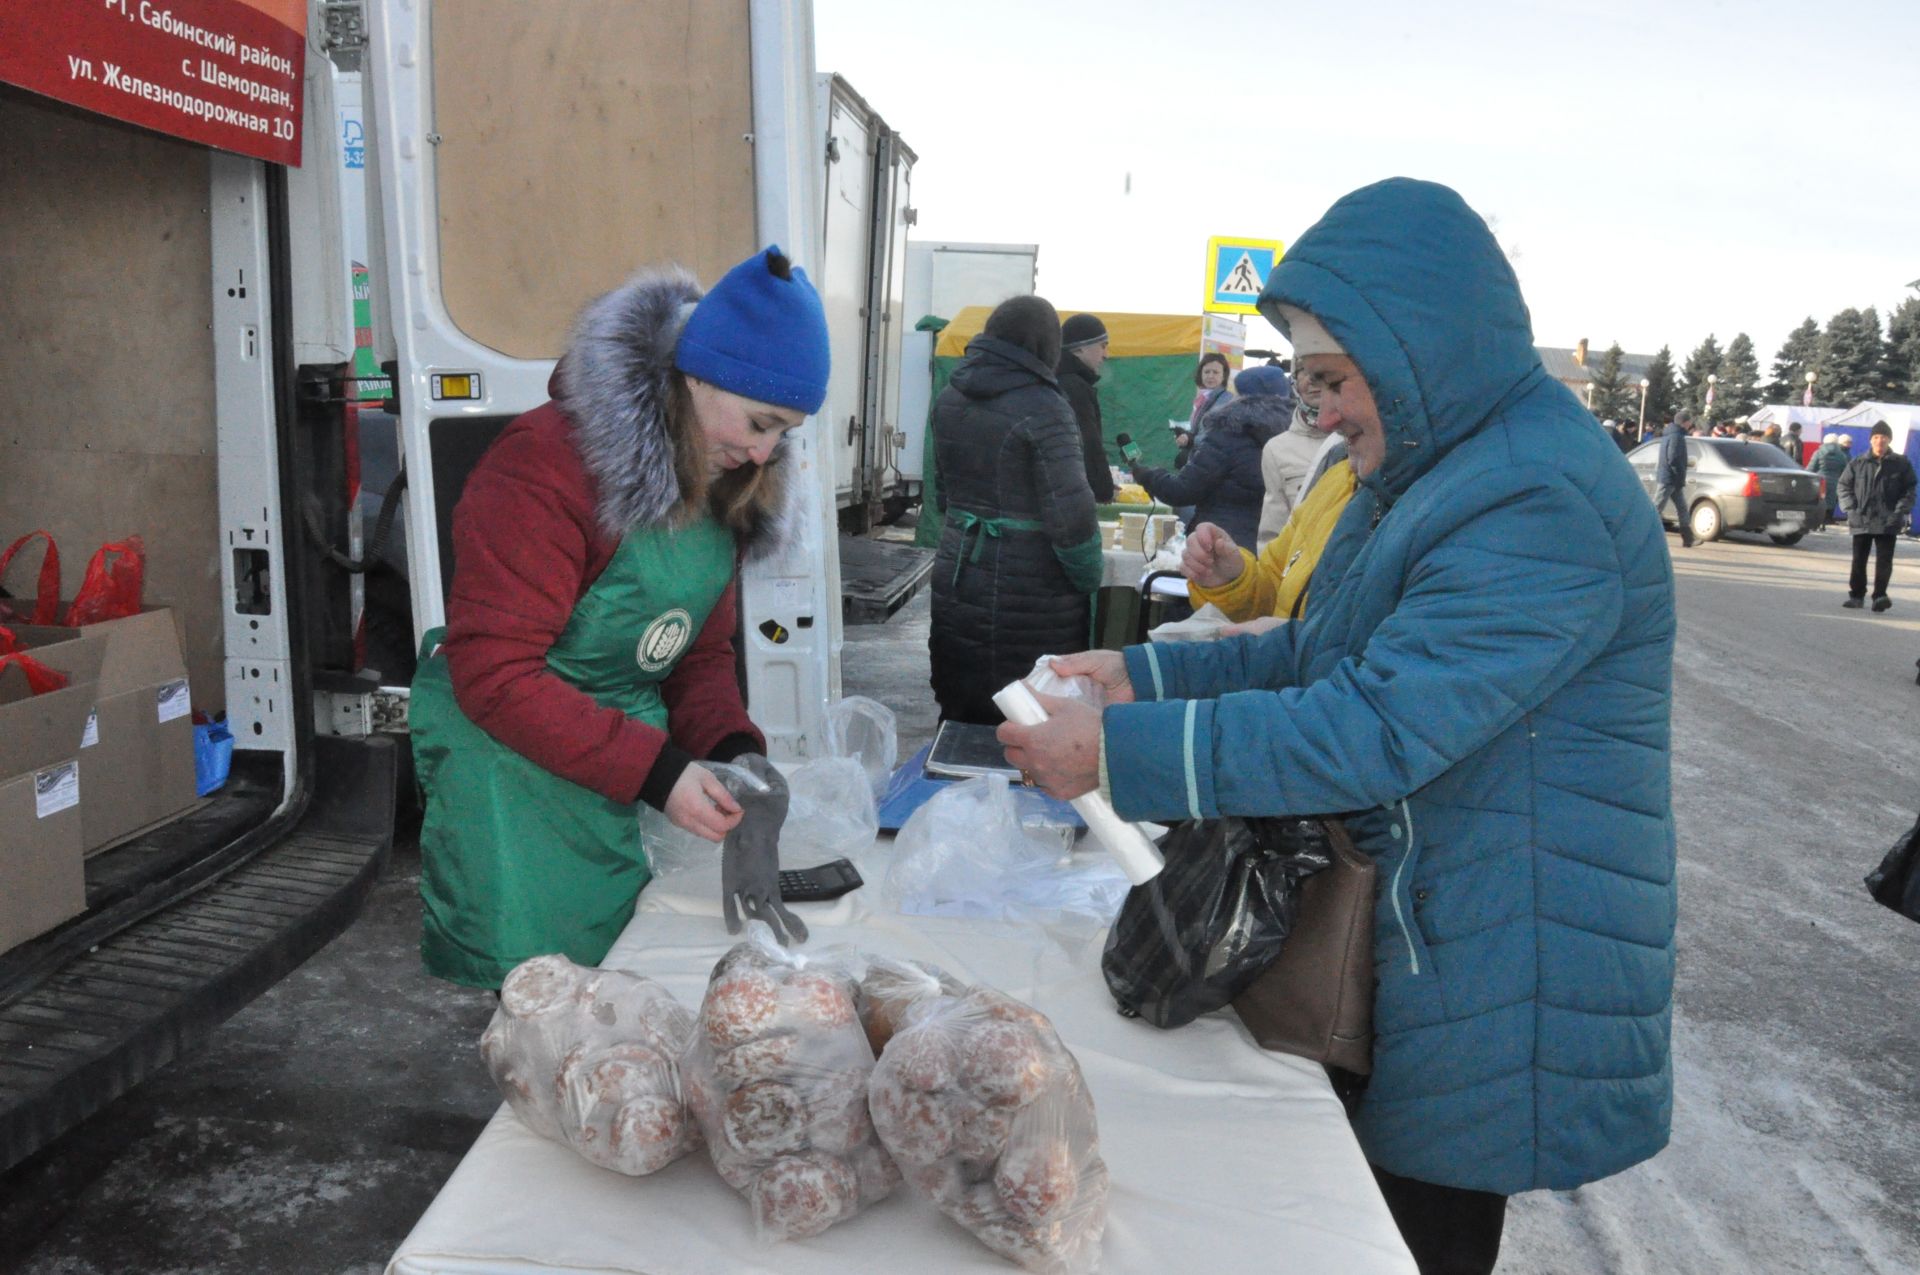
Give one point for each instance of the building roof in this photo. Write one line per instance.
(1561, 365)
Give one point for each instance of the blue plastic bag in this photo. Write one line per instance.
(212, 755)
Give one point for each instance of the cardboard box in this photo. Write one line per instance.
(42, 877)
(138, 743)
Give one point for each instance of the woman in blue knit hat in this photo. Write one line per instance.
(587, 665)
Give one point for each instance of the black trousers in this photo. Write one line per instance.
(1450, 1230)
(1882, 564)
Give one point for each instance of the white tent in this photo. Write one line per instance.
(1810, 419)
(1902, 418)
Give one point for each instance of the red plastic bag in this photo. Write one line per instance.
(111, 589)
(47, 603)
(40, 678)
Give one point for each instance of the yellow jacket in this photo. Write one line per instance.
(1275, 583)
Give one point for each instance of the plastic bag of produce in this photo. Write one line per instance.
(866, 731)
(590, 1059)
(776, 1074)
(985, 1111)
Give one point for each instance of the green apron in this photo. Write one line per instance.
(514, 860)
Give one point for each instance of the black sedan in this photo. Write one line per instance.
(1734, 485)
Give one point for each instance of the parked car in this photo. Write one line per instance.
(1734, 485)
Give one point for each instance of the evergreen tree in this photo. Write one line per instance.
(1662, 396)
(1798, 355)
(1611, 399)
(1703, 362)
(1852, 358)
(1738, 393)
(1903, 352)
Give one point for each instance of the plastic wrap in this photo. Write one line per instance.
(969, 852)
(590, 1059)
(986, 1112)
(830, 811)
(1203, 625)
(866, 731)
(670, 848)
(1044, 679)
(776, 1074)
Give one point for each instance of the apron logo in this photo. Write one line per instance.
(664, 640)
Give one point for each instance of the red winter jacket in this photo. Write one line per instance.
(527, 547)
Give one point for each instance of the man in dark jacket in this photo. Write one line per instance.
(1672, 474)
(1083, 352)
(1877, 492)
(1019, 556)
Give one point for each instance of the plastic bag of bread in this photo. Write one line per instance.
(776, 1074)
(590, 1059)
(985, 1110)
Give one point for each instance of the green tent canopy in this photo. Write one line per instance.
(1147, 381)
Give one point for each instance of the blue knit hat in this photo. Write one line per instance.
(1263, 378)
(760, 333)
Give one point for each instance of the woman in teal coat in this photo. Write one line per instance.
(1482, 680)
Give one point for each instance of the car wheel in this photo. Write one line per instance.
(1706, 522)
(1791, 538)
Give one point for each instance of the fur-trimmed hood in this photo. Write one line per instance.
(615, 385)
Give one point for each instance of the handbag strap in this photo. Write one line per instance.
(46, 608)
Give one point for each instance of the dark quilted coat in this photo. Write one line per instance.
(1222, 480)
(1005, 446)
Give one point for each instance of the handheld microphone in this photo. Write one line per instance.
(1129, 450)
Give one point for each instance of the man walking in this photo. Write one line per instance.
(1830, 462)
(1672, 474)
(1083, 352)
(1877, 492)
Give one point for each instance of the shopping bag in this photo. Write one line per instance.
(1197, 935)
(212, 753)
(1896, 882)
(40, 678)
(111, 588)
(46, 607)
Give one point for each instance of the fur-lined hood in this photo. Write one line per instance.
(615, 385)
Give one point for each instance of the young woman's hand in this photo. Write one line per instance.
(1211, 559)
(701, 804)
(1108, 668)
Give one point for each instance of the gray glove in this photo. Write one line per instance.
(750, 856)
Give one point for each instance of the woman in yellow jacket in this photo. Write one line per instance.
(1260, 592)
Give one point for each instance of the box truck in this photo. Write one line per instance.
(192, 203)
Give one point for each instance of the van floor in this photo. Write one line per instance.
(314, 1127)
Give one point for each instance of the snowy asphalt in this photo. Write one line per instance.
(316, 1125)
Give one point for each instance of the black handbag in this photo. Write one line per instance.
(1896, 882)
(1203, 930)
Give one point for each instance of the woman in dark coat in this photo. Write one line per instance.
(1223, 482)
(1019, 554)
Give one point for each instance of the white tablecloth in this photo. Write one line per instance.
(1223, 1157)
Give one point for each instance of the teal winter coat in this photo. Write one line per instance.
(1482, 683)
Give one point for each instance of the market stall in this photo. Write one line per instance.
(1222, 1156)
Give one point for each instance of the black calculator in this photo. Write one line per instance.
(828, 881)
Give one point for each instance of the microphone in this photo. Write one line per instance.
(1129, 450)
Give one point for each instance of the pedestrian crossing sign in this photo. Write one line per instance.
(1236, 271)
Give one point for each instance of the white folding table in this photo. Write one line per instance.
(1223, 1156)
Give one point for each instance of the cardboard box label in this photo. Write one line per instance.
(173, 700)
(91, 735)
(55, 789)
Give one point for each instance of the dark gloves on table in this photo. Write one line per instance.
(750, 856)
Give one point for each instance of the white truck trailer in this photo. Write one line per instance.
(182, 365)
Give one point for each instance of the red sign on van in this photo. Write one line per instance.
(226, 73)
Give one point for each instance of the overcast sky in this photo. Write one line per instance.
(1658, 171)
